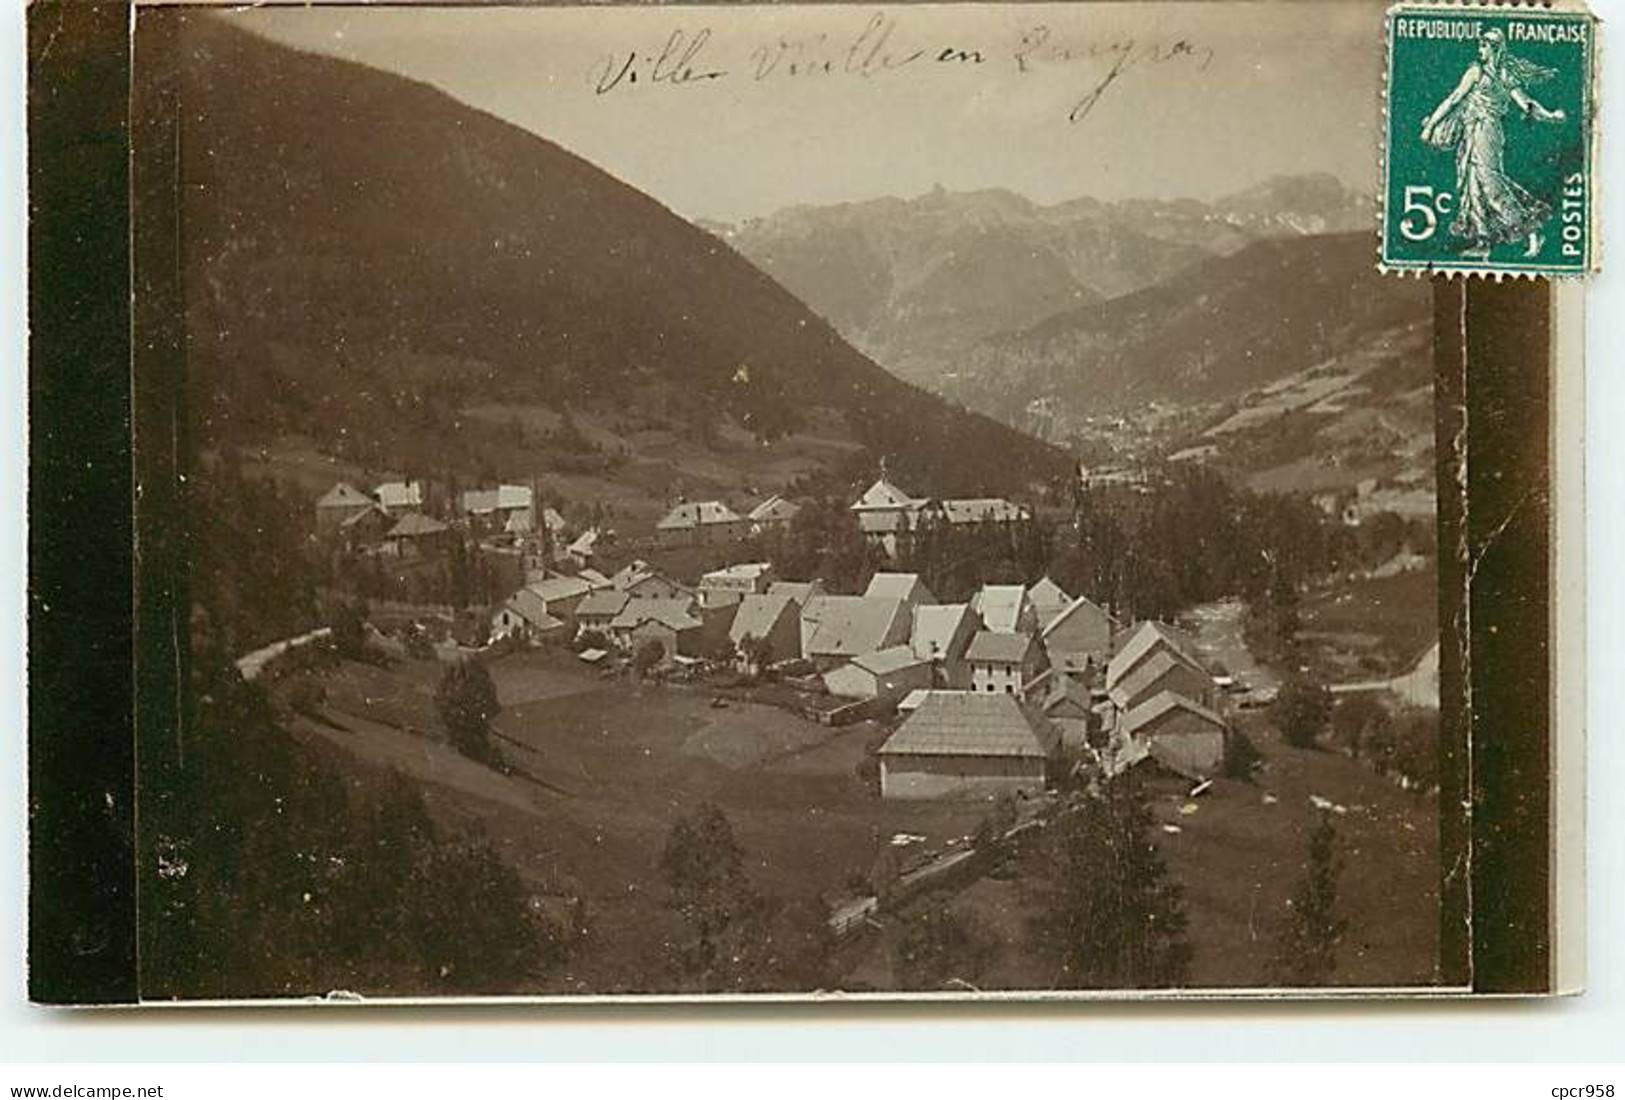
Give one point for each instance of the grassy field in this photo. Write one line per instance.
(603, 770)
(1369, 628)
(1238, 856)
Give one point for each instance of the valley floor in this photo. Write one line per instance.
(603, 768)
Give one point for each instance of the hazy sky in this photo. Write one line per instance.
(1208, 98)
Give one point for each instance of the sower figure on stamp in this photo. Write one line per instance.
(1491, 208)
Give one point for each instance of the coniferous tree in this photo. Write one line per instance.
(1112, 915)
(1306, 944)
(467, 702)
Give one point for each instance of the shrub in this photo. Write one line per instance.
(467, 701)
(1302, 711)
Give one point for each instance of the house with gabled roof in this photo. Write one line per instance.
(681, 634)
(700, 523)
(680, 613)
(941, 634)
(1048, 599)
(838, 628)
(773, 623)
(563, 595)
(1068, 704)
(598, 609)
(958, 744)
(1144, 641)
(1178, 733)
(416, 535)
(1162, 671)
(642, 581)
(1004, 663)
(524, 615)
(774, 513)
(907, 587)
(342, 502)
(889, 674)
(1079, 639)
(886, 513)
(366, 528)
(1005, 609)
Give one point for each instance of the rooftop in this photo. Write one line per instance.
(697, 513)
(963, 723)
(999, 648)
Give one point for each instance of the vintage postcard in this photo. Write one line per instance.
(836, 500)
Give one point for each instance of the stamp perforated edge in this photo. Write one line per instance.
(1592, 110)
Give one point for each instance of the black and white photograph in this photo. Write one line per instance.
(796, 501)
(806, 501)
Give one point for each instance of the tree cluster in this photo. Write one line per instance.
(738, 938)
(1109, 911)
(267, 869)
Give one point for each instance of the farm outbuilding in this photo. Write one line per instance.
(887, 674)
(959, 744)
(1181, 735)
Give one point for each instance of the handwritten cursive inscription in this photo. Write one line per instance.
(880, 47)
(678, 62)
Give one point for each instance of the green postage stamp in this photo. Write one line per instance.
(1488, 164)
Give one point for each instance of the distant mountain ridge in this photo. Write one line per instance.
(914, 282)
(1213, 332)
(368, 258)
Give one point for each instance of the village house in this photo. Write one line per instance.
(729, 585)
(773, 514)
(490, 510)
(563, 595)
(900, 586)
(1005, 609)
(399, 496)
(367, 528)
(670, 609)
(965, 512)
(1162, 671)
(1004, 663)
(416, 535)
(1049, 600)
(1079, 639)
(340, 503)
(887, 674)
(642, 581)
(673, 624)
(885, 513)
(772, 623)
(582, 550)
(701, 523)
(1181, 735)
(963, 745)
(595, 580)
(942, 633)
(1146, 640)
(1068, 705)
(838, 628)
(524, 616)
(599, 608)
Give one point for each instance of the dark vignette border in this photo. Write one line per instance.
(89, 605)
(81, 752)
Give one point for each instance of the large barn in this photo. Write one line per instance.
(958, 744)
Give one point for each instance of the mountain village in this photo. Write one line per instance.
(1001, 694)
